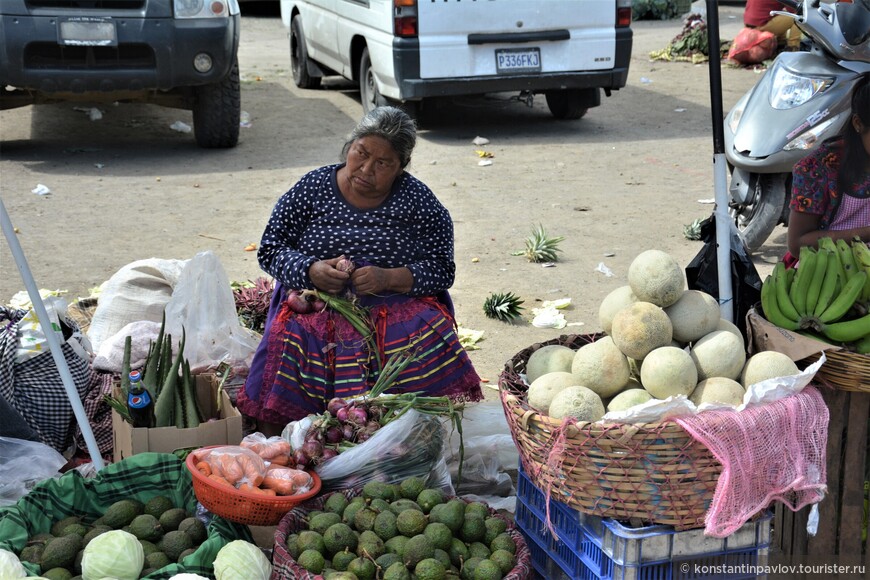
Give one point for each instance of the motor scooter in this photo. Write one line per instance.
(802, 99)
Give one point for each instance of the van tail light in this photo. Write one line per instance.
(405, 18)
(623, 13)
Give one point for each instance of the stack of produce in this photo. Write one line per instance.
(401, 531)
(660, 340)
(826, 297)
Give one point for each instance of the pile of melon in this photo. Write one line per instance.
(660, 340)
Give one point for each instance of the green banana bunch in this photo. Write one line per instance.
(825, 295)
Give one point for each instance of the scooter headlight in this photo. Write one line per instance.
(808, 138)
(789, 90)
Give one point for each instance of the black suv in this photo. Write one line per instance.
(174, 53)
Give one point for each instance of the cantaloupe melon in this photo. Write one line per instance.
(695, 314)
(719, 354)
(601, 366)
(547, 359)
(730, 327)
(627, 399)
(641, 327)
(544, 388)
(718, 390)
(767, 364)
(656, 276)
(613, 303)
(668, 371)
(578, 402)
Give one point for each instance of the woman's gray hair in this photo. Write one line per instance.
(390, 123)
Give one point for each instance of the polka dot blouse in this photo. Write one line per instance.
(313, 222)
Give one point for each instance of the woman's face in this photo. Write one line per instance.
(372, 167)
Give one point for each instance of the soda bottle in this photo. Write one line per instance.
(139, 402)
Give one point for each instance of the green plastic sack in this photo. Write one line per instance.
(139, 477)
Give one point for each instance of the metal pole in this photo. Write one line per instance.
(720, 169)
(51, 337)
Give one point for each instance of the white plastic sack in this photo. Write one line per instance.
(202, 304)
(24, 464)
(138, 291)
(32, 339)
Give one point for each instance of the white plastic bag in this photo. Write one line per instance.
(32, 339)
(412, 445)
(22, 465)
(203, 304)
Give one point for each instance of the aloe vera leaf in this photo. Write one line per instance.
(188, 385)
(125, 367)
(165, 407)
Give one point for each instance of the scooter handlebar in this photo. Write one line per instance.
(795, 4)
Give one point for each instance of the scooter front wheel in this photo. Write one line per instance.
(764, 209)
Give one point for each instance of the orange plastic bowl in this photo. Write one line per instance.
(241, 506)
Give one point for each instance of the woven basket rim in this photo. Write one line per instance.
(278, 501)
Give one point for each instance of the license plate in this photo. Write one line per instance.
(518, 60)
(88, 32)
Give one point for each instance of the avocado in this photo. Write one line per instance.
(94, 532)
(396, 545)
(418, 549)
(504, 559)
(479, 550)
(473, 529)
(146, 527)
(311, 560)
(378, 490)
(337, 538)
(364, 519)
(335, 503)
(57, 574)
(370, 545)
(452, 514)
(363, 568)
(385, 525)
(157, 505)
(174, 543)
(311, 540)
(379, 505)
(397, 571)
(476, 508)
(494, 527)
(172, 518)
(386, 560)
(411, 522)
(487, 570)
(443, 557)
(61, 552)
(58, 526)
(411, 487)
(292, 545)
(503, 541)
(341, 559)
(157, 560)
(78, 529)
(185, 554)
(401, 505)
(148, 547)
(321, 522)
(468, 568)
(121, 513)
(350, 511)
(458, 552)
(430, 497)
(430, 569)
(439, 534)
(194, 528)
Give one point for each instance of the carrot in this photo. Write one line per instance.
(280, 460)
(251, 473)
(247, 487)
(268, 491)
(285, 481)
(233, 472)
(220, 480)
(204, 468)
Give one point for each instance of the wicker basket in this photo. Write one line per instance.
(284, 567)
(654, 473)
(244, 507)
(843, 370)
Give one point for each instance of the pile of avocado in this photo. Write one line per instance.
(168, 534)
(403, 531)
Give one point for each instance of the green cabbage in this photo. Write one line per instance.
(241, 560)
(10, 566)
(114, 554)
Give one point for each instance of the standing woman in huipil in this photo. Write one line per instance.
(399, 237)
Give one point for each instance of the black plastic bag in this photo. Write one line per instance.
(702, 273)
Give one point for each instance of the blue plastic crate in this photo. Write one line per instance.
(590, 548)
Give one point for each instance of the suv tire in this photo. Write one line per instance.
(568, 104)
(217, 111)
(299, 57)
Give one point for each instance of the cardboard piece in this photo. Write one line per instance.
(763, 335)
(226, 429)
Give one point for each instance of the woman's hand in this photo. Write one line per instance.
(327, 277)
(374, 280)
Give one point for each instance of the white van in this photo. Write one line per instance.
(405, 51)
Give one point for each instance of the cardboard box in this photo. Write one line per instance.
(225, 430)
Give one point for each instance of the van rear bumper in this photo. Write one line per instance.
(406, 63)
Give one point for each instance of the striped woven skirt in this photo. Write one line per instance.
(304, 360)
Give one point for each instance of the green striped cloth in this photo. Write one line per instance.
(138, 477)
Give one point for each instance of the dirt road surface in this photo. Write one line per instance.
(625, 178)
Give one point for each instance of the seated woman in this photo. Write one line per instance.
(399, 238)
(831, 185)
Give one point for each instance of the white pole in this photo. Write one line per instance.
(723, 238)
(53, 343)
